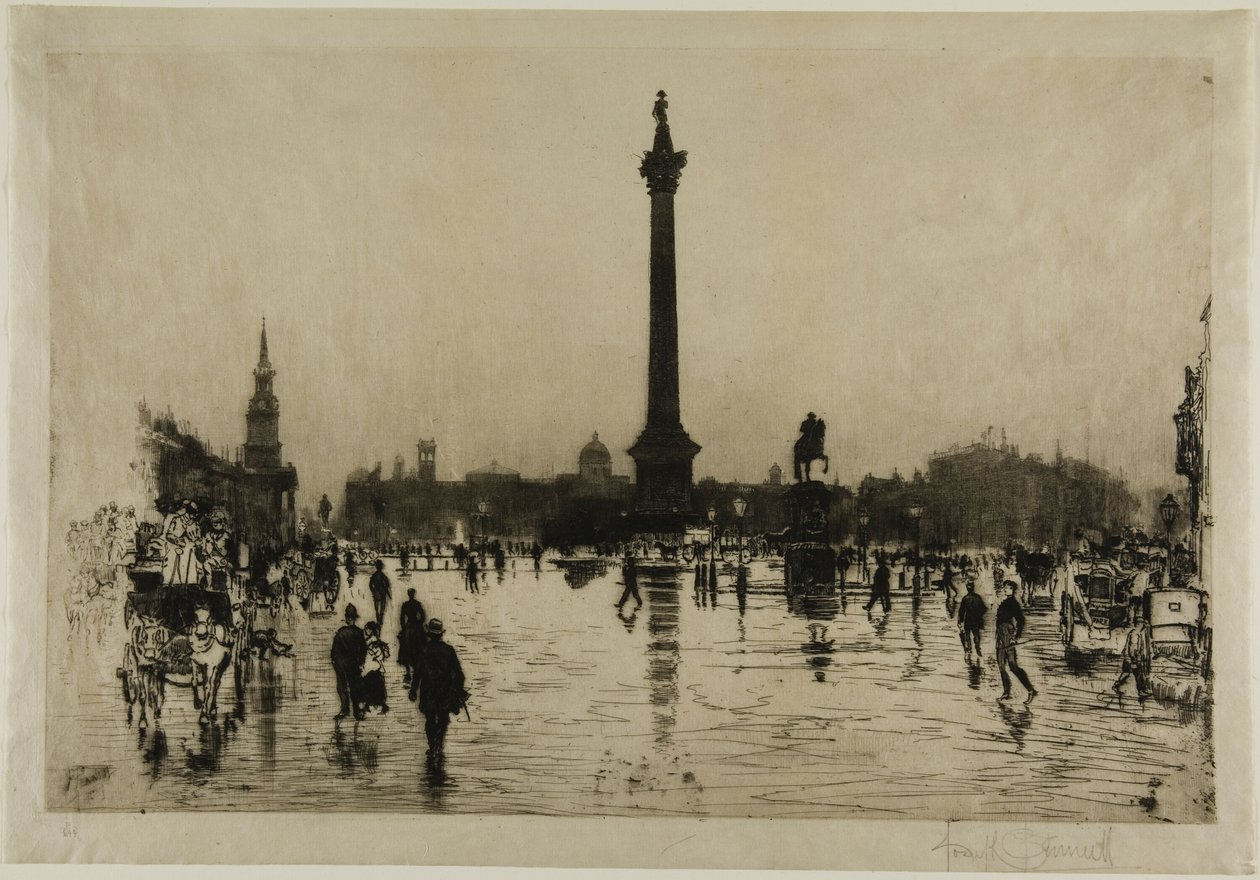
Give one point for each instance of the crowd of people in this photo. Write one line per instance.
(432, 674)
(1017, 575)
(196, 546)
(100, 549)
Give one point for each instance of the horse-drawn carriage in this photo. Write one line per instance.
(316, 581)
(1036, 575)
(1100, 603)
(312, 578)
(184, 635)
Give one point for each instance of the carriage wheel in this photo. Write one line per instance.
(1068, 616)
(128, 674)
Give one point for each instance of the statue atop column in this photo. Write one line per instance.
(663, 453)
(662, 165)
(659, 108)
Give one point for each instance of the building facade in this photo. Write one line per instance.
(417, 507)
(258, 491)
(988, 495)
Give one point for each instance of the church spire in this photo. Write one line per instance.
(262, 418)
(264, 362)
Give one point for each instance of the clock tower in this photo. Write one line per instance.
(262, 419)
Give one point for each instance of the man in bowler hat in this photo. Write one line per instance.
(349, 649)
(442, 691)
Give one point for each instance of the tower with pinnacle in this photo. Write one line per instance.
(262, 418)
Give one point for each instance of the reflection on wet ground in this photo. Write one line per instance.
(731, 701)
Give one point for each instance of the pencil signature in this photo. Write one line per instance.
(1027, 850)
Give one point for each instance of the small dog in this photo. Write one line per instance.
(265, 640)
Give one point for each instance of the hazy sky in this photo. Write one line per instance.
(454, 244)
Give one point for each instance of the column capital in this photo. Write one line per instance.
(662, 170)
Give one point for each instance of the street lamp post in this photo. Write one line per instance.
(712, 548)
(1169, 510)
(864, 520)
(482, 507)
(741, 506)
(916, 514)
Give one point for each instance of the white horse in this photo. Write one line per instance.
(158, 656)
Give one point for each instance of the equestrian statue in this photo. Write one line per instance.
(809, 446)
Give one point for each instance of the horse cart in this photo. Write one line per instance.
(1094, 609)
(315, 579)
(1036, 575)
(181, 635)
(1097, 608)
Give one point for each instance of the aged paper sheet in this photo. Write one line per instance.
(337, 331)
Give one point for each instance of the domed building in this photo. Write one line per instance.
(594, 462)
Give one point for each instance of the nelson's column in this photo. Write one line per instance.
(663, 453)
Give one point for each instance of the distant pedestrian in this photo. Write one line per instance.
(325, 509)
(537, 552)
(947, 585)
(471, 572)
(630, 577)
(378, 584)
(1136, 656)
(442, 691)
(404, 558)
(1009, 629)
(881, 587)
(971, 611)
(349, 650)
(411, 638)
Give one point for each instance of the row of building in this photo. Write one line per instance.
(983, 494)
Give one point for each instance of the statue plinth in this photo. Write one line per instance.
(809, 561)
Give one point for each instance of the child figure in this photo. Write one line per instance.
(373, 681)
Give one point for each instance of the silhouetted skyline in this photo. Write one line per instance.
(453, 254)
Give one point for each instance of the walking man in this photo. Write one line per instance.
(325, 509)
(442, 691)
(1010, 626)
(881, 588)
(971, 611)
(1137, 652)
(472, 573)
(631, 579)
(378, 584)
(349, 650)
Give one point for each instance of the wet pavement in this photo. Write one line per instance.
(733, 703)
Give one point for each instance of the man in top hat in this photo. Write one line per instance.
(442, 691)
(349, 649)
(378, 584)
